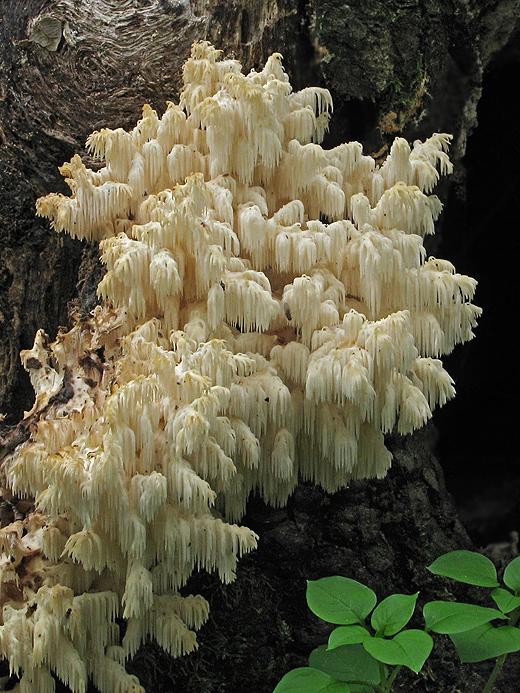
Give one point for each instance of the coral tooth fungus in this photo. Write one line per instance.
(268, 314)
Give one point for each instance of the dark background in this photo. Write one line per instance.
(478, 430)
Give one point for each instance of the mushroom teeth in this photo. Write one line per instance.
(268, 314)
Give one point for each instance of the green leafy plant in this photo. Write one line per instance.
(478, 641)
(372, 643)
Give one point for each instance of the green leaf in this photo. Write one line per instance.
(512, 575)
(347, 635)
(347, 663)
(393, 613)
(485, 642)
(340, 600)
(306, 680)
(505, 601)
(466, 566)
(410, 648)
(454, 617)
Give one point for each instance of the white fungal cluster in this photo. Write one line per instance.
(269, 314)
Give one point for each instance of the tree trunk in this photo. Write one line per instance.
(394, 67)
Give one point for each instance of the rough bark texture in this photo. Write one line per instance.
(68, 67)
(394, 67)
(381, 533)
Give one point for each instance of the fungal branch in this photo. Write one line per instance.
(268, 314)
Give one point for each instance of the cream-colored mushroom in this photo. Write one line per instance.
(268, 315)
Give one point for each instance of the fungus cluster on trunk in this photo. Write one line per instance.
(268, 314)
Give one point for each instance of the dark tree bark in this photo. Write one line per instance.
(409, 67)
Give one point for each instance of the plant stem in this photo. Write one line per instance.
(382, 676)
(392, 677)
(513, 618)
(496, 670)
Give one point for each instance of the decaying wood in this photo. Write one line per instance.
(69, 68)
